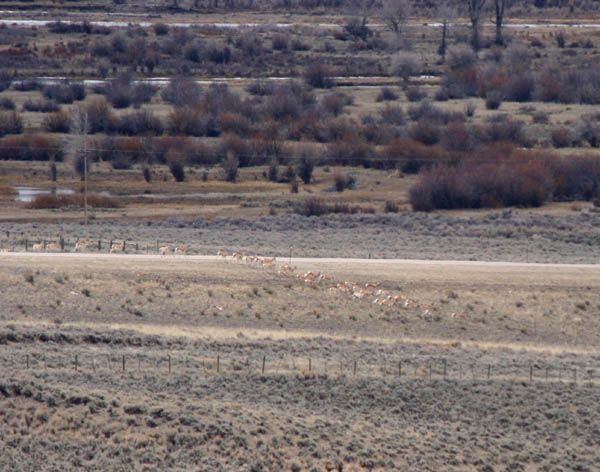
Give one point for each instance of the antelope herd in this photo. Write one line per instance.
(365, 292)
(369, 291)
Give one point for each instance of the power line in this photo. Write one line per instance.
(317, 157)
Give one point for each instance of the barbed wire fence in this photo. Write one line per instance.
(344, 367)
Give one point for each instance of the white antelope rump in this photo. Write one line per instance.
(181, 250)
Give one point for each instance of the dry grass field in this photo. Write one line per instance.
(501, 374)
(433, 208)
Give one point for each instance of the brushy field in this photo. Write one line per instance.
(157, 363)
(568, 234)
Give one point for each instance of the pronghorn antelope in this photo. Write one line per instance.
(81, 246)
(117, 247)
(267, 261)
(39, 246)
(222, 253)
(165, 250)
(53, 247)
(181, 250)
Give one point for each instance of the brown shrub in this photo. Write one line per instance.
(50, 201)
(58, 122)
(516, 178)
(410, 156)
(318, 75)
(562, 137)
(315, 206)
(31, 147)
(10, 123)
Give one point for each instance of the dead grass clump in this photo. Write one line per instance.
(50, 201)
(315, 206)
(29, 277)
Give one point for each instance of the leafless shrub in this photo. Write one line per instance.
(119, 91)
(343, 181)
(318, 75)
(387, 94)
(280, 42)
(217, 53)
(182, 92)
(31, 147)
(393, 115)
(139, 123)
(461, 77)
(391, 207)
(177, 170)
(406, 64)
(562, 137)
(230, 167)
(65, 92)
(10, 123)
(27, 85)
(261, 88)
(415, 94)
(100, 116)
(7, 104)
(58, 122)
(161, 29)
(41, 106)
(334, 103)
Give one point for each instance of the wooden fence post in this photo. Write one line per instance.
(169, 362)
(399, 368)
(218, 362)
(27, 360)
(489, 368)
(309, 364)
(99, 245)
(575, 374)
(263, 364)
(530, 373)
(26, 245)
(76, 362)
(355, 368)
(123, 362)
(445, 368)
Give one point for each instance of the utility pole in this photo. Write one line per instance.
(80, 129)
(85, 176)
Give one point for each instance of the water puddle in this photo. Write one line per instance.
(28, 194)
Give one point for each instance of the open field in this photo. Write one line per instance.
(65, 396)
(428, 185)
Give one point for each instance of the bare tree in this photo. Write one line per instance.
(80, 128)
(395, 13)
(360, 9)
(475, 8)
(500, 7)
(445, 11)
